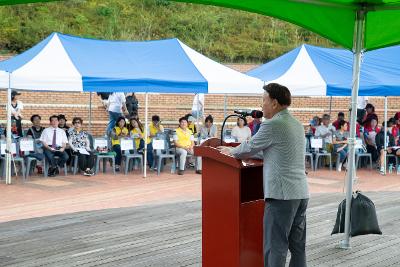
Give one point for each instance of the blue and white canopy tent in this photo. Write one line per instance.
(72, 64)
(315, 71)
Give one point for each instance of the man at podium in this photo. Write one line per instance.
(280, 142)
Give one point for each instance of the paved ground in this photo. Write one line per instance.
(123, 220)
(41, 197)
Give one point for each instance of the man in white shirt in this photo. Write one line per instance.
(54, 141)
(325, 131)
(116, 106)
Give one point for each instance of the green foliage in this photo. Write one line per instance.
(220, 33)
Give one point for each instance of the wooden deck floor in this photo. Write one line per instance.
(170, 235)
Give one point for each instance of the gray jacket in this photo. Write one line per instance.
(281, 144)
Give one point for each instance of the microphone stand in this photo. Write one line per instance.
(223, 124)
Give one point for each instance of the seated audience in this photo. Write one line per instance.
(255, 124)
(380, 145)
(54, 142)
(117, 132)
(241, 131)
(80, 145)
(136, 132)
(184, 143)
(314, 123)
(340, 117)
(370, 133)
(63, 123)
(369, 115)
(191, 124)
(209, 130)
(35, 131)
(326, 131)
(340, 143)
(155, 127)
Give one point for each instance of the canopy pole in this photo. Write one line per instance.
(9, 135)
(385, 136)
(146, 128)
(225, 104)
(358, 47)
(90, 112)
(330, 106)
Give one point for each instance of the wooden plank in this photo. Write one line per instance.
(170, 235)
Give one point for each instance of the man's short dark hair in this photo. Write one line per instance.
(34, 116)
(340, 114)
(52, 117)
(279, 92)
(155, 118)
(210, 119)
(183, 119)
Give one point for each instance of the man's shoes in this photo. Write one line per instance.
(382, 171)
(117, 168)
(52, 172)
(198, 171)
(56, 171)
(180, 172)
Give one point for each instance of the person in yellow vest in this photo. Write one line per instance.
(184, 143)
(117, 132)
(155, 127)
(136, 132)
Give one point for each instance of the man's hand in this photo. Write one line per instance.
(225, 150)
(62, 149)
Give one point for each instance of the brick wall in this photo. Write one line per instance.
(170, 107)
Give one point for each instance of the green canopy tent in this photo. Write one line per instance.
(355, 24)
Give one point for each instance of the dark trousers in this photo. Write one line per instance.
(62, 158)
(86, 161)
(118, 157)
(285, 228)
(150, 156)
(373, 151)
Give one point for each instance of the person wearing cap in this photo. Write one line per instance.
(16, 111)
(191, 125)
(370, 115)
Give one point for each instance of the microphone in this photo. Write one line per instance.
(248, 112)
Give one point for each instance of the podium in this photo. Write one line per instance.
(232, 208)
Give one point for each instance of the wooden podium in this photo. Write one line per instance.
(232, 209)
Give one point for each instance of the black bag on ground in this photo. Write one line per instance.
(363, 219)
